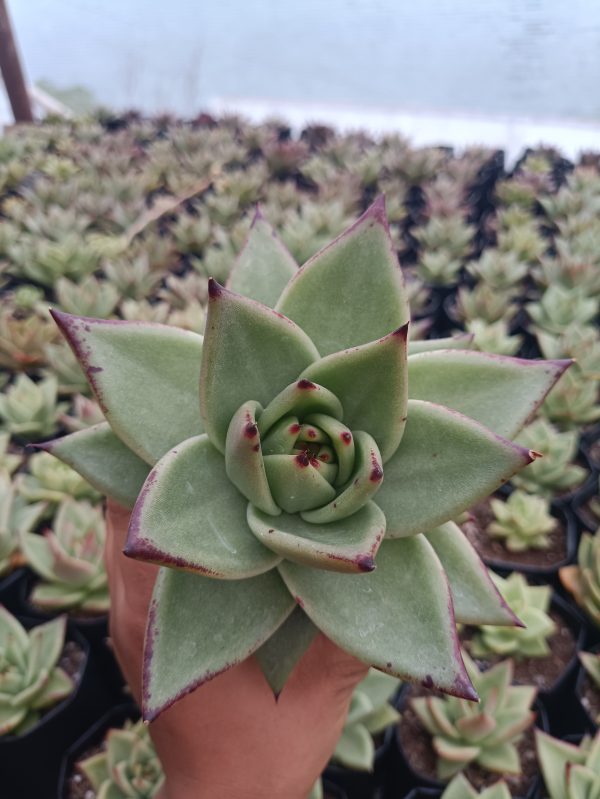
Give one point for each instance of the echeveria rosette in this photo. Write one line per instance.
(317, 435)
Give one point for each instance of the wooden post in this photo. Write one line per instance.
(11, 70)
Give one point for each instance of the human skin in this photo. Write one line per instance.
(230, 738)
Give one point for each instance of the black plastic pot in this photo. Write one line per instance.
(360, 784)
(402, 778)
(11, 589)
(93, 736)
(30, 763)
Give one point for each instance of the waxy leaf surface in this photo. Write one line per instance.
(264, 265)
(145, 377)
(348, 545)
(250, 353)
(501, 393)
(190, 516)
(279, 655)
(104, 460)
(198, 628)
(446, 463)
(406, 599)
(352, 291)
(463, 341)
(370, 381)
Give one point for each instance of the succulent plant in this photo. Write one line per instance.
(461, 788)
(49, 481)
(524, 241)
(591, 664)
(438, 268)
(128, 768)
(569, 271)
(559, 307)
(574, 402)
(581, 342)
(44, 261)
(16, 517)
(88, 297)
(70, 560)
(30, 409)
(84, 413)
(30, 679)
(583, 579)
(523, 521)
(486, 303)
(9, 461)
(555, 471)
(448, 234)
(493, 337)
(23, 337)
(485, 734)
(133, 278)
(63, 365)
(530, 604)
(287, 483)
(569, 771)
(498, 270)
(369, 714)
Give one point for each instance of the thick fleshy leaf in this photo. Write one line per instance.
(474, 594)
(365, 482)
(300, 398)
(189, 516)
(371, 383)
(500, 392)
(145, 377)
(250, 353)
(279, 655)
(104, 460)
(355, 749)
(198, 628)
(554, 755)
(373, 616)
(296, 482)
(244, 460)
(464, 341)
(351, 292)
(342, 442)
(281, 437)
(348, 545)
(445, 464)
(264, 265)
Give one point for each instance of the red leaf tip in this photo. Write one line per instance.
(214, 289)
(401, 333)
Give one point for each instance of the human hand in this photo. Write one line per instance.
(230, 739)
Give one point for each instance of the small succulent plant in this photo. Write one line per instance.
(16, 517)
(63, 365)
(498, 270)
(485, 734)
(484, 302)
(461, 788)
(283, 468)
(523, 521)
(581, 342)
(574, 402)
(84, 413)
(128, 768)
(530, 604)
(583, 579)
(559, 307)
(438, 268)
(9, 461)
(29, 409)
(591, 664)
(554, 472)
(23, 337)
(369, 714)
(30, 679)
(493, 337)
(569, 771)
(70, 560)
(49, 481)
(88, 297)
(448, 234)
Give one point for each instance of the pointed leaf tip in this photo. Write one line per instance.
(401, 332)
(215, 289)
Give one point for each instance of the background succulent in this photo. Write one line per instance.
(583, 579)
(569, 771)
(461, 788)
(16, 517)
(555, 471)
(591, 663)
(49, 481)
(29, 409)
(522, 522)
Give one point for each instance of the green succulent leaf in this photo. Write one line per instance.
(264, 265)
(463, 341)
(198, 628)
(207, 533)
(145, 378)
(470, 463)
(279, 655)
(355, 749)
(372, 616)
(351, 292)
(474, 594)
(250, 353)
(104, 460)
(346, 545)
(371, 383)
(500, 393)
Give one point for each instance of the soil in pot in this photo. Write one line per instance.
(493, 550)
(415, 744)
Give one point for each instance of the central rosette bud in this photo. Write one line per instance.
(297, 456)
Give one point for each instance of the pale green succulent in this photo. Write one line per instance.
(317, 436)
(192, 234)
(84, 413)
(530, 604)
(9, 461)
(523, 521)
(23, 337)
(438, 268)
(574, 401)
(31, 409)
(312, 226)
(486, 303)
(524, 241)
(448, 234)
(70, 560)
(498, 270)
(554, 472)
(583, 579)
(133, 278)
(30, 679)
(591, 664)
(493, 337)
(581, 342)
(63, 365)
(569, 271)
(369, 714)
(569, 771)
(560, 307)
(127, 768)
(88, 297)
(44, 260)
(461, 788)
(145, 311)
(484, 734)
(16, 517)
(52, 482)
